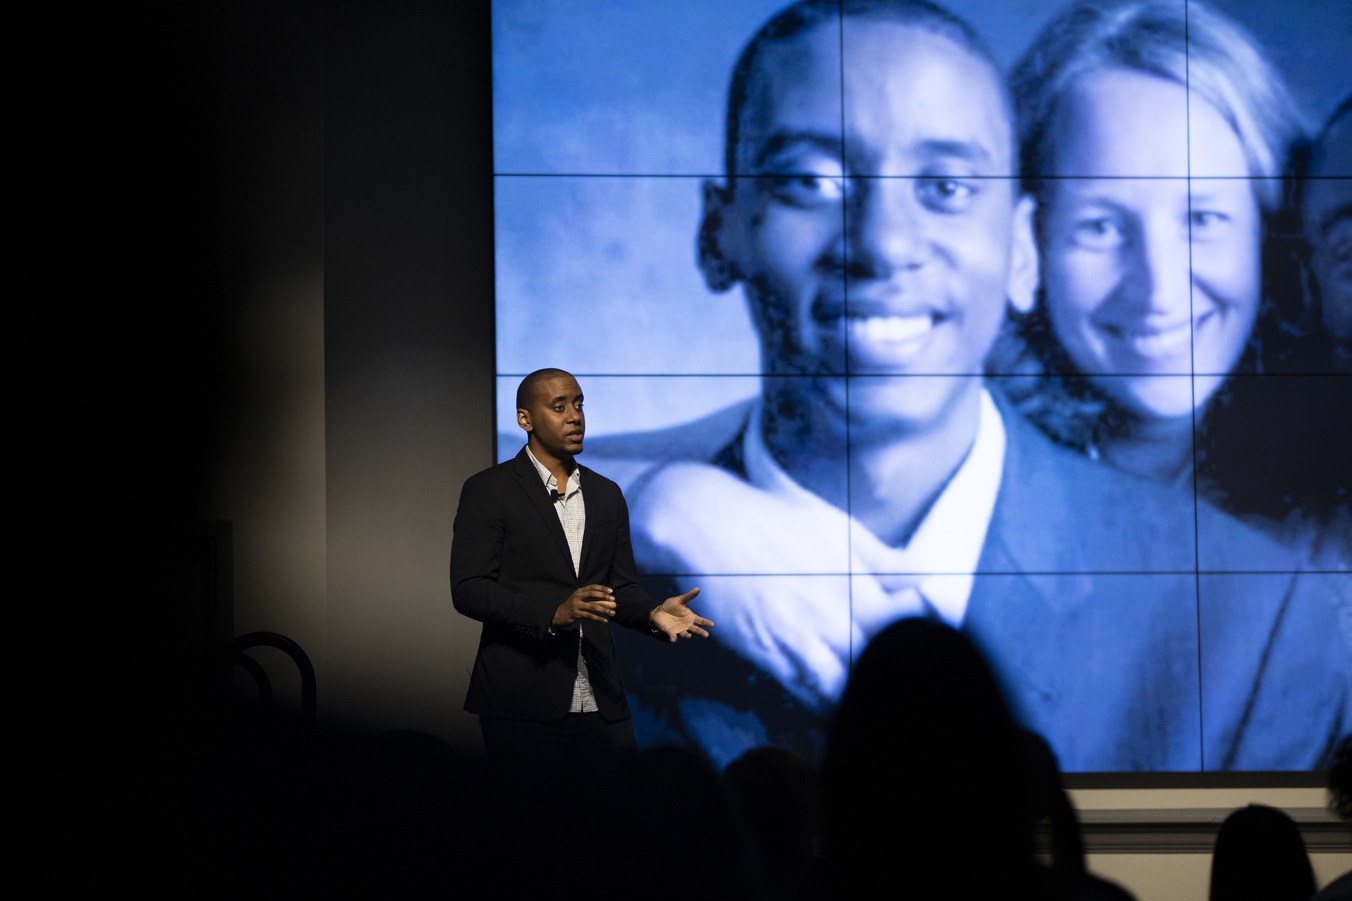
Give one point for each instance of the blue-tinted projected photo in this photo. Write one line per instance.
(1034, 318)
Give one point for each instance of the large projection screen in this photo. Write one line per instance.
(1068, 371)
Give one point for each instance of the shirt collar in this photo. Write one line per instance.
(551, 483)
(946, 546)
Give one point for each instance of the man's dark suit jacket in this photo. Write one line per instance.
(511, 569)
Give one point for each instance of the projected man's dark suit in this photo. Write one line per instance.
(1090, 590)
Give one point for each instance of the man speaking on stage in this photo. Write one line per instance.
(541, 556)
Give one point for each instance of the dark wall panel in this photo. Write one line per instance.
(408, 324)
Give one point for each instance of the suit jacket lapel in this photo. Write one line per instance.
(1005, 550)
(592, 504)
(1018, 622)
(530, 482)
(1003, 596)
(1033, 526)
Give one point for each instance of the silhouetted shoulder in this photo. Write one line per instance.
(698, 440)
(626, 457)
(1339, 889)
(1058, 511)
(1107, 520)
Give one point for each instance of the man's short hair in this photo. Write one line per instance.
(529, 389)
(809, 14)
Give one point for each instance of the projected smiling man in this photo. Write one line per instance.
(879, 238)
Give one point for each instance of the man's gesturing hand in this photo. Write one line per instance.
(588, 602)
(677, 620)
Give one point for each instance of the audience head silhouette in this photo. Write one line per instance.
(924, 765)
(1259, 854)
(640, 802)
(776, 793)
(1340, 779)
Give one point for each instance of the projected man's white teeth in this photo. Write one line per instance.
(889, 329)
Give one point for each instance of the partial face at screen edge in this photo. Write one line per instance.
(890, 248)
(1327, 211)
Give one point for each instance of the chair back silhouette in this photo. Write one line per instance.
(233, 652)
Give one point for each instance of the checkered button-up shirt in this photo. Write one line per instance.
(572, 513)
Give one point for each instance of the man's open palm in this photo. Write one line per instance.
(677, 620)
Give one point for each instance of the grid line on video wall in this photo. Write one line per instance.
(914, 348)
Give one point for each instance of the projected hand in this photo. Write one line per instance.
(784, 599)
(677, 620)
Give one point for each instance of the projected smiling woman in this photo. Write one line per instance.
(1155, 136)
